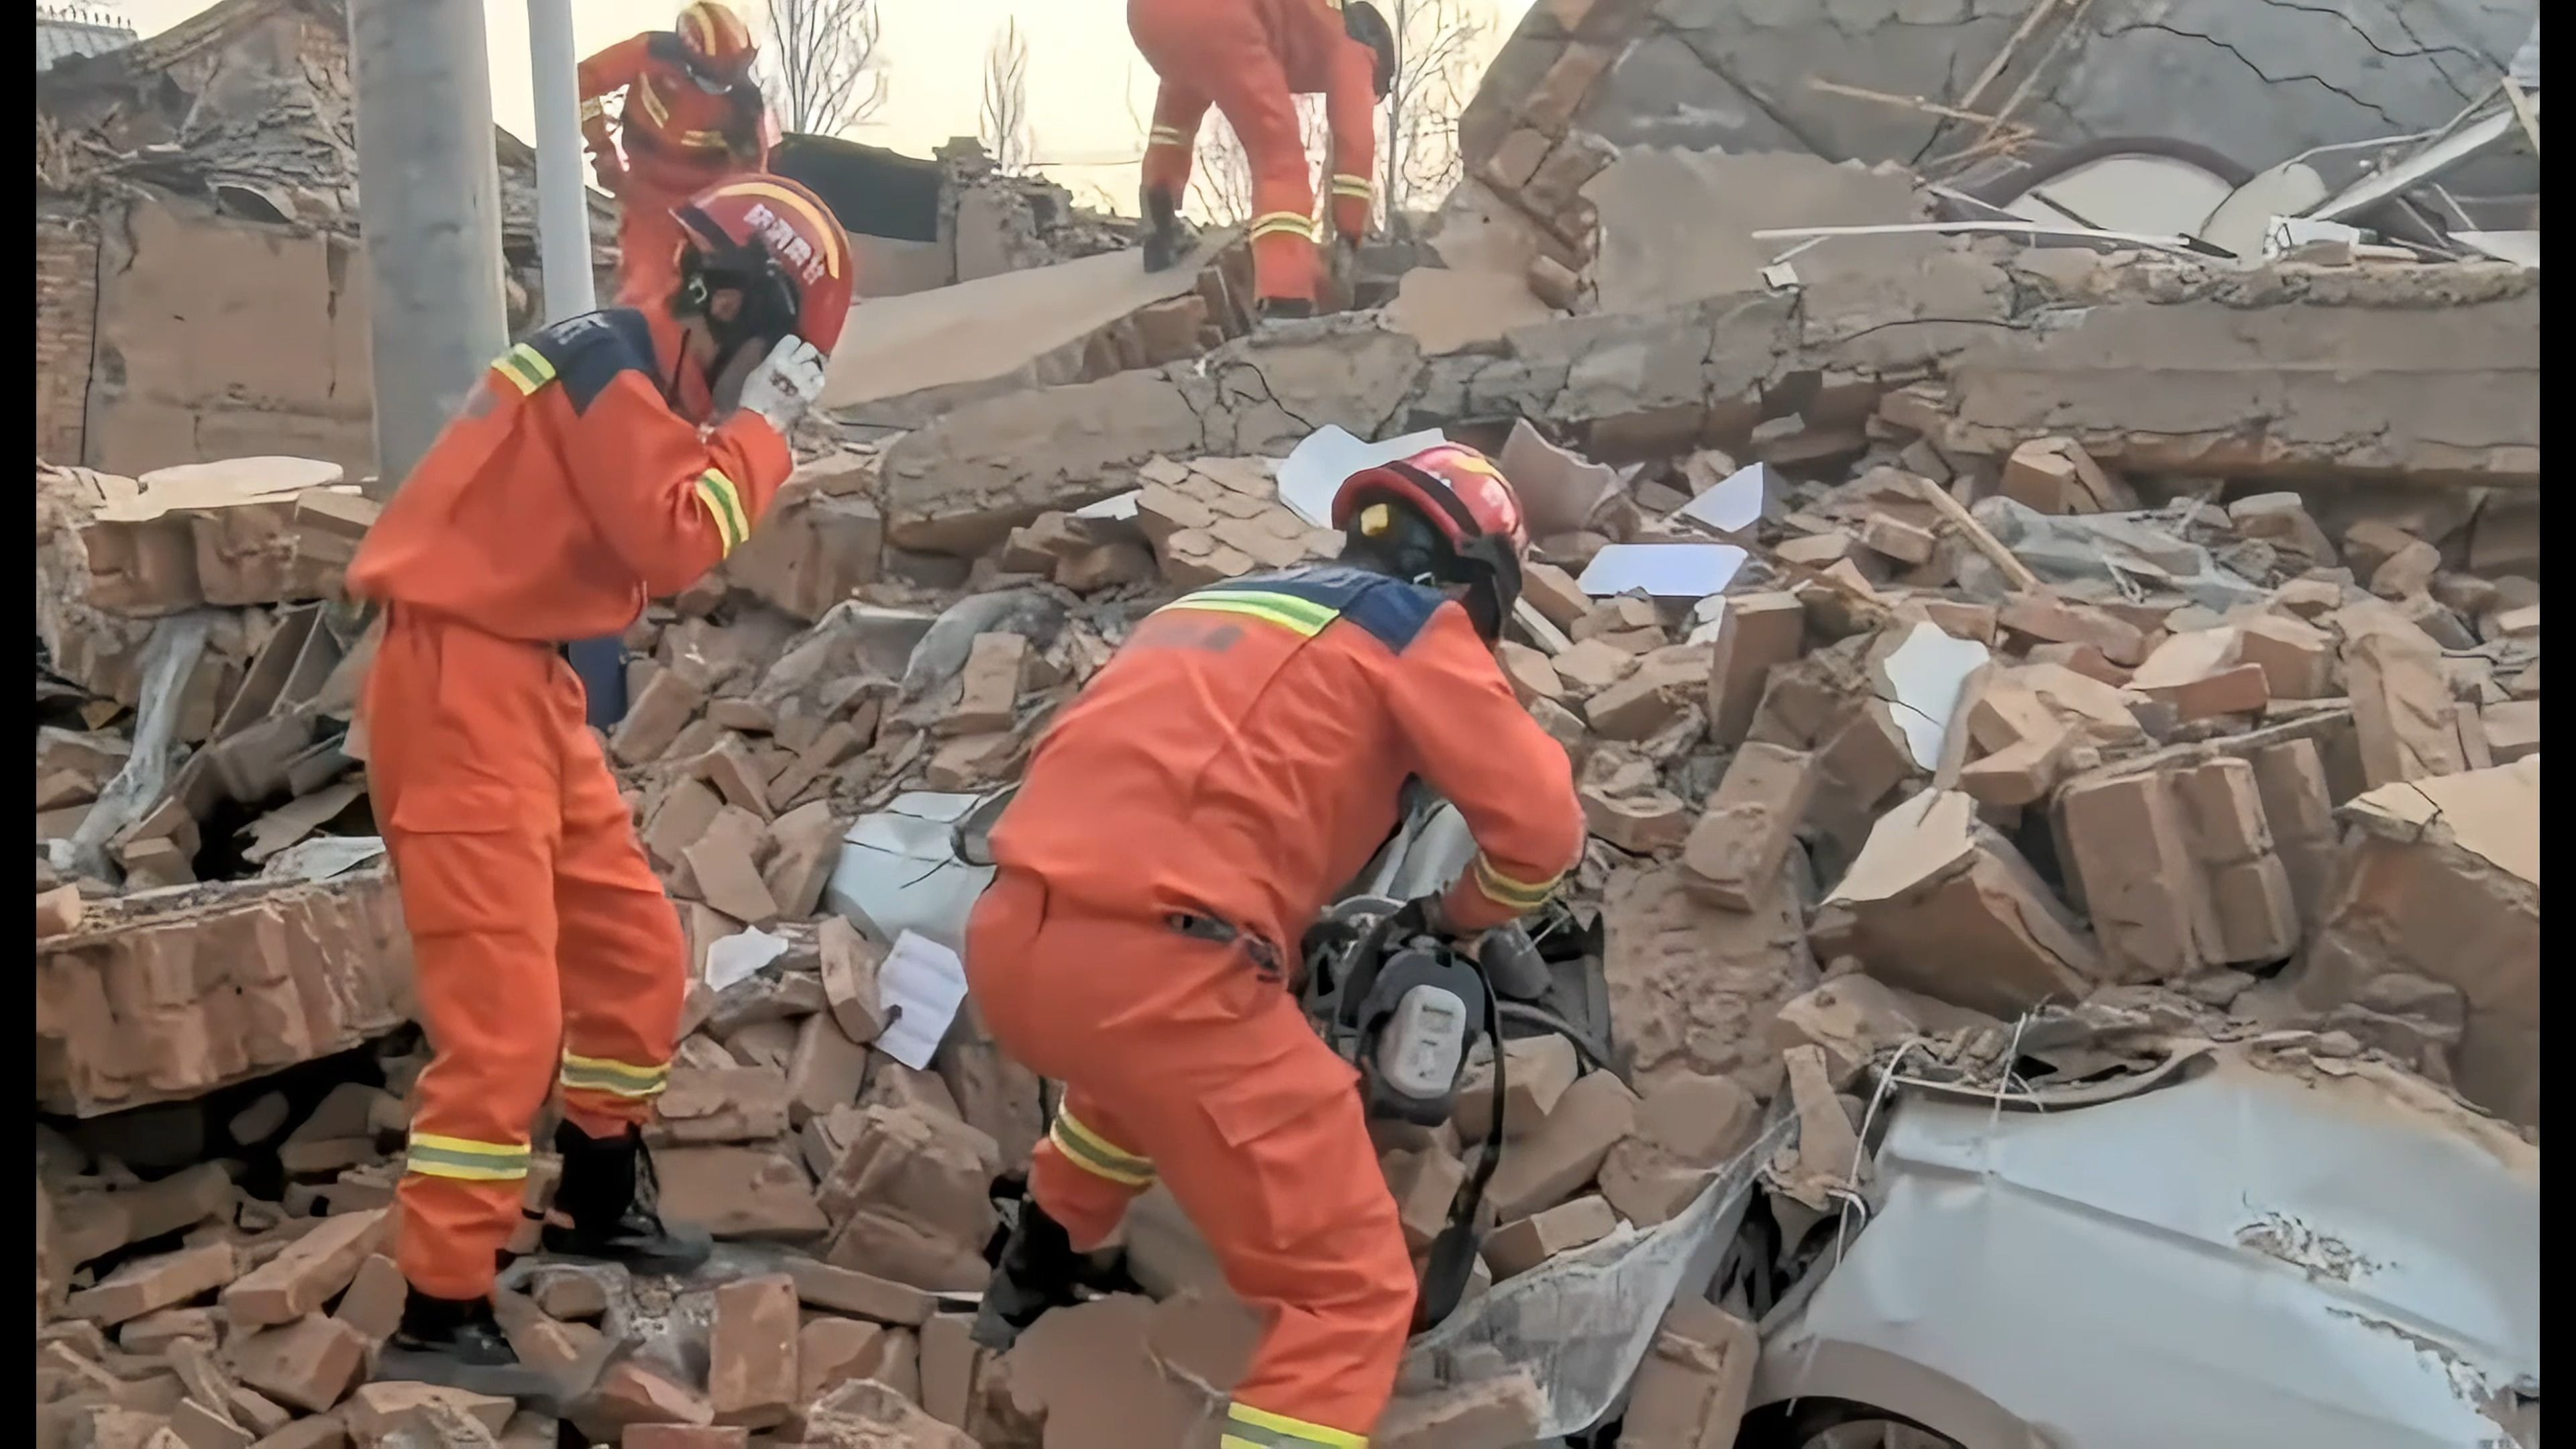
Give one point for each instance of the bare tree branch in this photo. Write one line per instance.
(1004, 124)
(820, 63)
(1418, 161)
(1221, 171)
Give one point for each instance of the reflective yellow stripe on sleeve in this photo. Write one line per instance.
(1303, 617)
(1503, 890)
(467, 1160)
(1166, 136)
(617, 1079)
(1094, 1153)
(525, 367)
(594, 109)
(1249, 1428)
(1348, 185)
(1282, 223)
(724, 504)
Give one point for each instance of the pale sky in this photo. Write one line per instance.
(1083, 71)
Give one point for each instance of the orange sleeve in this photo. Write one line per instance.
(610, 70)
(1350, 108)
(670, 505)
(1475, 744)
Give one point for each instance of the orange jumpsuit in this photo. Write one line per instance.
(678, 141)
(543, 947)
(1238, 761)
(1248, 58)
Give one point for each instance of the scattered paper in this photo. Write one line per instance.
(1733, 505)
(918, 989)
(1315, 469)
(899, 869)
(321, 858)
(1662, 570)
(1922, 679)
(1115, 506)
(737, 958)
(1706, 617)
(1558, 489)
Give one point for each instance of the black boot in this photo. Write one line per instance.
(1039, 1270)
(610, 1192)
(1164, 243)
(458, 1345)
(1285, 309)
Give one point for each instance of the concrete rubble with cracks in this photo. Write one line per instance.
(2133, 665)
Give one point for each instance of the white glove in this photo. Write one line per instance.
(785, 384)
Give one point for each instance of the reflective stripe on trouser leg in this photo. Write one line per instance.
(619, 951)
(435, 1156)
(1097, 1155)
(1081, 1174)
(617, 1079)
(1249, 1428)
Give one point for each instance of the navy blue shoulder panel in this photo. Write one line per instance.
(1392, 610)
(589, 351)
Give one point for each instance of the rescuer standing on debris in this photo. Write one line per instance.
(693, 116)
(1180, 827)
(575, 484)
(1250, 58)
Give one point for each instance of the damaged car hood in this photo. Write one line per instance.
(2258, 1253)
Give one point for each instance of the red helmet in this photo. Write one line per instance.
(1459, 495)
(717, 44)
(777, 244)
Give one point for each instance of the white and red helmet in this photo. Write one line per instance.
(1464, 499)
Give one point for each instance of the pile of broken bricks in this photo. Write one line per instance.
(1963, 739)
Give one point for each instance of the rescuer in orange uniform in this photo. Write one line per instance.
(1249, 58)
(1180, 827)
(574, 485)
(693, 116)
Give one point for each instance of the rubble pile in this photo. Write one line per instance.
(1962, 678)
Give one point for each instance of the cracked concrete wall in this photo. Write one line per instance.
(2257, 80)
(2418, 372)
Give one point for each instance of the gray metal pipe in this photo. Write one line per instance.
(563, 210)
(429, 195)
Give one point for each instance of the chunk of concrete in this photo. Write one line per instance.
(1939, 903)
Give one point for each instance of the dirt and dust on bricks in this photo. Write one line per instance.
(2015, 692)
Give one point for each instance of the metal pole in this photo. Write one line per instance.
(429, 198)
(563, 210)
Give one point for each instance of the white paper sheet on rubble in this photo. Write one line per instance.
(1662, 570)
(899, 870)
(1923, 678)
(322, 857)
(2522, 248)
(739, 957)
(1558, 488)
(1706, 617)
(1315, 468)
(1116, 505)
(1735, 504)
(919, 986)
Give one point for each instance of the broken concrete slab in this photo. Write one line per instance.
(1939, 903)
(1676, 225)
(909, 358)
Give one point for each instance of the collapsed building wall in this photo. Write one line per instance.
(2290, 371)
(217, 338)
(2255, 83)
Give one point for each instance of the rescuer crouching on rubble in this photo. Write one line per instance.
(1181, 825)
(574, 485)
